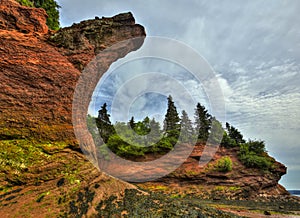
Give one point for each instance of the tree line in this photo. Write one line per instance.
(174, 125)
(137, 138)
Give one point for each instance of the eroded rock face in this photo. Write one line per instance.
(92, 46)
(38, 78)
(83, 41)
(13, 16)
(36, 89)
(239, 183)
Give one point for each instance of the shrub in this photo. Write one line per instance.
(252, 155)
(258, 147)
(122, 148)
(227, 142)
(224, 164)
(126, 150)
(166, 143)
(255, 161)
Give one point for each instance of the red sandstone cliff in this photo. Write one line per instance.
(39, 74)
(39, 71)
(239, 183)
(40, 159)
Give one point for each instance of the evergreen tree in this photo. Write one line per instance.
(155, 133)
(146, 125)
(234, 134)
(258, 147)
(132, 123)
(171, 122)
(202, 122)
(143, 127)
(92, 127)
(227, 142)
(52, 9)
(216, 132)
(104, 125)
(150, 130)
(227, 127)
(187, 133)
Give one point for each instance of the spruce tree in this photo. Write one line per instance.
(155, 133)
(146, 125)
(202, 122)
(171, 122)
(142, 127)
(187, 133)
(216, 132)
(234, 134)
(132, 123)
(103, 123)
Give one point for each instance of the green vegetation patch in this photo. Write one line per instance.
(27, 3)
(224, 164)
(21, 157)
(253, 155)
(20, 154)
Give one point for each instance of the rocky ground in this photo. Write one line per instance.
(285, 206)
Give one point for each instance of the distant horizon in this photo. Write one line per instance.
(294, 192)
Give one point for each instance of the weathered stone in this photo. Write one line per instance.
(241, 182)
(83, 41)
(13, 16)
(38, 78)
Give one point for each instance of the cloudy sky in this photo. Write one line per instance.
(253, 46)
